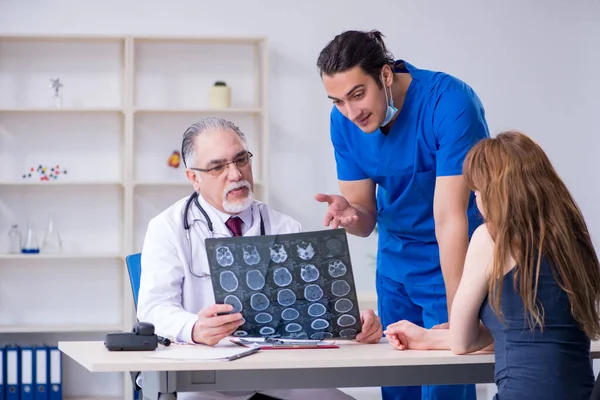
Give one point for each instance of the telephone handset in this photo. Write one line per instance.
(141, 338)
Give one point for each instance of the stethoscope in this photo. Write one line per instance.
(194, 198)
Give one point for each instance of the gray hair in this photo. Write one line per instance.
(188, 148)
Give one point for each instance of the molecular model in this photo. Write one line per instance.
(45, 173)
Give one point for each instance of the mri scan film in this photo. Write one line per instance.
(293, 286)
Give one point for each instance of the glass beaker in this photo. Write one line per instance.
(31, 245)
(51, 242)
(14, 240)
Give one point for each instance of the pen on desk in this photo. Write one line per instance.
(246, 353)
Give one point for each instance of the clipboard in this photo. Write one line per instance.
(276, 344)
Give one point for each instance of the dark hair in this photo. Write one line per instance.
(352, 48)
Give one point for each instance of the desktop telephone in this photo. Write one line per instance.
(141, 338)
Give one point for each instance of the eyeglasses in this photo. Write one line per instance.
(240, 162)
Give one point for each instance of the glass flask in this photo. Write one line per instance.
(14, 240)
(51, 242)
(31, 245)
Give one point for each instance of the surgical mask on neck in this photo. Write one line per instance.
(390, 110)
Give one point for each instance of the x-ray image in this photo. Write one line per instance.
(298, 286)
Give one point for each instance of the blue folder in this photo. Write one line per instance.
(13, 372)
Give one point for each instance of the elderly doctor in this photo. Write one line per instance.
(176, 292)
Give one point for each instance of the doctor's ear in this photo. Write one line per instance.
(193, 177)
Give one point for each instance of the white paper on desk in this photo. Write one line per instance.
(200, 352)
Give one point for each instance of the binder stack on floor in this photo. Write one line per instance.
(30, 373)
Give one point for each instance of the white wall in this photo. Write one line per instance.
(534, 64)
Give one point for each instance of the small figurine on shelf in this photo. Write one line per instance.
(45, 173)
(173, 163)
(219, 95)
(56, 99)
(174, 159)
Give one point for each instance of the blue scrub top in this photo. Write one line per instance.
(440, 120)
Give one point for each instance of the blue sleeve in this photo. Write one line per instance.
(458, 124)
(347, 168)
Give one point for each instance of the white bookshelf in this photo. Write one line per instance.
(60, 183)
(126, 102)
(61, 110)
(60, 256)
(232, 111)
(60, 328)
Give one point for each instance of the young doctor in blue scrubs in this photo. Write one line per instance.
(400, 135)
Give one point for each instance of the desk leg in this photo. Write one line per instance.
(155, 386)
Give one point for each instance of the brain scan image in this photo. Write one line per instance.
(286, 297)
(235, 303)
(348, 333)
(289, 314)
(346, 320)
(316, 310)
(337, 268)
(309, 273)
(228, 281)
(334, 247)
(259, 302)
(282, 276)
(267, 330)
(343, 306)
(319, 324)
(278, 253)
(293, 327)
(255, 279)
(263, 318)
(340, 288)
(250, 254)
(313, 292)
(305, 251)
(224, 256)
(290, 286)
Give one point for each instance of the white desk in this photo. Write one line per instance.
(352, 365)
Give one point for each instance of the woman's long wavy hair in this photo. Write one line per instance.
(532, 216)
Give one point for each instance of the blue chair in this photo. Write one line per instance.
(134, 267)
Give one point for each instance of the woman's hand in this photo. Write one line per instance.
(404, 335)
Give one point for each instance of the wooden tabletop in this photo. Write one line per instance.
(96, 358)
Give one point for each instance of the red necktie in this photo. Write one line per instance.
(235, 226)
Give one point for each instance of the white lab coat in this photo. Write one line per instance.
(170, 297)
